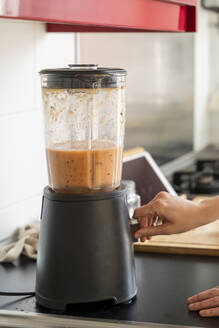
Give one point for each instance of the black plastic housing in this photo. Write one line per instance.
(85, 250)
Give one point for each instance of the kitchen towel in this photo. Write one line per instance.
(24, 241)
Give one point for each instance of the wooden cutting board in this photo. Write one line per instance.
(200, 241)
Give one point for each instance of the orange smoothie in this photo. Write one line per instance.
(75, 169)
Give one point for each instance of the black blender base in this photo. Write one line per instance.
(85, 250)
(61, 306)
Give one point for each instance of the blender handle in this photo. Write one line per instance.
(134, 226)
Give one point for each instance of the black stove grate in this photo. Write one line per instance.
(203, 178)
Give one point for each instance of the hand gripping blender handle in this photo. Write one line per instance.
(134, 226)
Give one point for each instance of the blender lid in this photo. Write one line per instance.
(83, 76)
(83, 69)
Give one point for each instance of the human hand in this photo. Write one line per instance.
(177, 215)
(207, 303)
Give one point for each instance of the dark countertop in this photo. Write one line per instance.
(164, 283)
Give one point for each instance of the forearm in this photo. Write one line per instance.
(210, 209)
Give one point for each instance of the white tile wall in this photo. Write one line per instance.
(214, 87)
(52, 50)
(202, 79)
(206, 79)
(154, 62)
(214, 127)
(25, 48)
(18, 214)
(23, 171)
(159, 85)
(206, 69)
(16, 67)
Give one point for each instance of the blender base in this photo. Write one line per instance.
(61, 306)
(85, 250)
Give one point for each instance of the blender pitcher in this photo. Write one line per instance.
(84, 115)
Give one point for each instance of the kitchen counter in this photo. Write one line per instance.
(209, 152)
(164, 283)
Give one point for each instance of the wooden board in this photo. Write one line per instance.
(133, 151)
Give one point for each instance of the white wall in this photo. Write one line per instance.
(159, 86)
(154, 61)
(149, 87)
(206, 80)
(214, 91)
(25, 48)
(202, 79)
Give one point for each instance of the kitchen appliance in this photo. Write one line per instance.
(201, 179)
(85, 247)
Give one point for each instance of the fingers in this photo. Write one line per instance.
(143, 211)
(154, 208)
(214, 312)
(148, 216)
(204, 295)
(145, 222)
(162, 229)
(206, 304)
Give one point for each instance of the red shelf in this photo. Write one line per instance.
(105, 15)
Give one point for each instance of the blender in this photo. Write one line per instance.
(85, 245)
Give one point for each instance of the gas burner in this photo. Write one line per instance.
(208, 165)
(203, 179)
(209, 186)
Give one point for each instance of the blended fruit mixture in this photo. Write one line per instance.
(74, 168)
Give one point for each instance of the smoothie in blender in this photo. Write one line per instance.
(77, 167)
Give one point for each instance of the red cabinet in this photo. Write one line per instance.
(105, 15)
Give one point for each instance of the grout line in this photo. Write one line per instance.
(5, 239)
(34, 109)
(77, 48)
(20, 201)
(35, 62)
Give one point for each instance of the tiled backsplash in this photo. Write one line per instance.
(25, 49)
(159, 97)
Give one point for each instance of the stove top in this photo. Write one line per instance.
(201, 179)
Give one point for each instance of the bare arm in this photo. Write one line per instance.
(177, 215)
